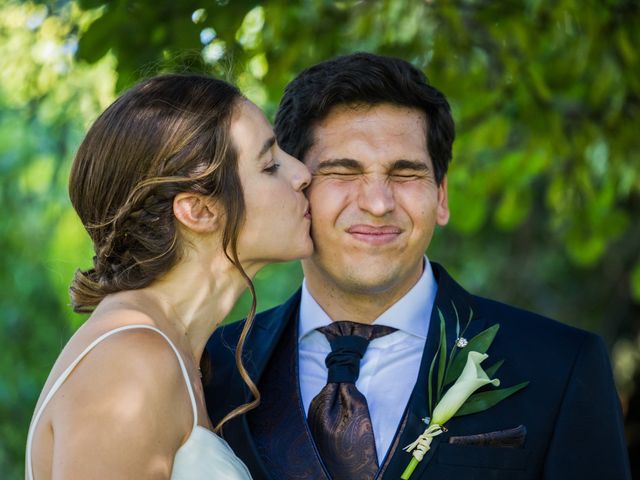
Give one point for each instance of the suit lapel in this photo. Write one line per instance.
(258, 349)
(279, 425)
(449, 294)
(267, 330)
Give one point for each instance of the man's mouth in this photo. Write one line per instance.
(374, 235)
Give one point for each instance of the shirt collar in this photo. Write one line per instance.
(410, 314)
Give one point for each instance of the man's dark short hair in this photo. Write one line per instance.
(362, 79)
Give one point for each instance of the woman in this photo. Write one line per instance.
(186, 195)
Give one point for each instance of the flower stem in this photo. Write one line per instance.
(409, 470)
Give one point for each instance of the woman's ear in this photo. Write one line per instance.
(196, 212)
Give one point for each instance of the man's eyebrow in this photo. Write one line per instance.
(409, 165)
(339, 162)
(267, 146)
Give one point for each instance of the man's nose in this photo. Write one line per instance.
(376, 196)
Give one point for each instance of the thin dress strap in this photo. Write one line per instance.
(61, 379)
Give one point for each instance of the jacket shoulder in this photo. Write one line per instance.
(221, 348)
(225, 389)
(518, 323)
(540, 348)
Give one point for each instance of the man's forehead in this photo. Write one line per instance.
(359, 111)
(395, 132)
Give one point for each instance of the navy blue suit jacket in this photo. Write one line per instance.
(570, 408)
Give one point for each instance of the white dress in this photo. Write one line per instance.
(203, 455)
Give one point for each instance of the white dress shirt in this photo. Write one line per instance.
(389, 368)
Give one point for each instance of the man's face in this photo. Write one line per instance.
(374, 200)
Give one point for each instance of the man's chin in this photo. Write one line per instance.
(373, 277)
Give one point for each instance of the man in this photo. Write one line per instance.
(378, 141)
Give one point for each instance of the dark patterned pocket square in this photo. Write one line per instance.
(511, 438)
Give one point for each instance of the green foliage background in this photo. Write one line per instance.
(544, 186)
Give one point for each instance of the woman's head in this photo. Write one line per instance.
(167, 137)
(163, 153)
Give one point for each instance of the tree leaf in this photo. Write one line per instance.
(479, 402)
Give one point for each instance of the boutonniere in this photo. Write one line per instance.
(458, 376)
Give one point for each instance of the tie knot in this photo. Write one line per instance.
(349, 342)
(345, 328)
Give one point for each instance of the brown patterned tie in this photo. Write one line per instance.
(339, 415)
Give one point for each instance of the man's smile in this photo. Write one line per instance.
(374, 235)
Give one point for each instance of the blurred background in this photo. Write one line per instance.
(544, 186)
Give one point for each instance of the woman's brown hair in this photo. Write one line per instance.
(168, 134)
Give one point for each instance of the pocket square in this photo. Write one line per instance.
(510, 438)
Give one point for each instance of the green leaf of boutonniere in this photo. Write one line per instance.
(479, 402)
(433, 362)
(493, 369)
(458, 377)
(480, 343)
(443, 356)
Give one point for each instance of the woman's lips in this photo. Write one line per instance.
(374, 235)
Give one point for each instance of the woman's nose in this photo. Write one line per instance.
(301, 176)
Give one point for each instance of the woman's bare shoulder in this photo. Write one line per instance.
(132, 373)
(124, 408)
(126, 399)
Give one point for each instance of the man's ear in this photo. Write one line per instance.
(442, 210)
(197, 212)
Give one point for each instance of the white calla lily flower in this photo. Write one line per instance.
(471, 379)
